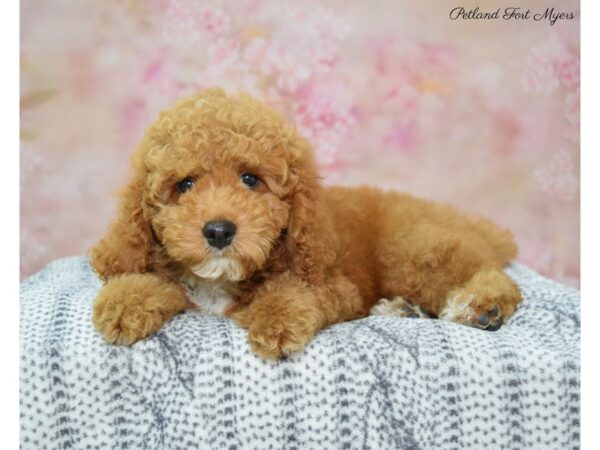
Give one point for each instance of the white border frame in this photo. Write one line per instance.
(590, 223)
(9, 260)
(9, 164)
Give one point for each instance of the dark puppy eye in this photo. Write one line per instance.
(185, 185)
(249, 180)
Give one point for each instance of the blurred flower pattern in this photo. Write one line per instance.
(483, 115)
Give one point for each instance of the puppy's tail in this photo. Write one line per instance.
(505, 247)
(501, 240)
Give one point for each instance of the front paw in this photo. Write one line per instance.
(273, 333)
(124, 319)
(131, 307)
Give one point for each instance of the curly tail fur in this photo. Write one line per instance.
(505, 247)
(501, 240)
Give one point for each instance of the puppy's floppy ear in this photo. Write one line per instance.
(311, 240)
(127, 245)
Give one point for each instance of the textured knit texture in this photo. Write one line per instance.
(378, 383)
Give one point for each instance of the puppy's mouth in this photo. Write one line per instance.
(219, 266)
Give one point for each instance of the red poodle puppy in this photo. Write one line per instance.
(225, 213)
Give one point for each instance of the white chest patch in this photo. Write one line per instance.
(210, 296)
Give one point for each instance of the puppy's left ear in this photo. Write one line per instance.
(311, 239)
(127, 245)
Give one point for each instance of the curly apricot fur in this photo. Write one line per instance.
(304, 256)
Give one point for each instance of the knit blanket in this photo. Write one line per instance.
(375, 383)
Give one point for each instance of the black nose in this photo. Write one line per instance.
(219, 233)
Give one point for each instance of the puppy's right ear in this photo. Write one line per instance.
(126, 247)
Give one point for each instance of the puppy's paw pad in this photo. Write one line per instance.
(489, 319)
(471, 311)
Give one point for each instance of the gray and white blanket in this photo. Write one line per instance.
(376, 383)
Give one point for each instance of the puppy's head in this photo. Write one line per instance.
(222, 188)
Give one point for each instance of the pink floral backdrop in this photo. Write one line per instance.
(480, 114)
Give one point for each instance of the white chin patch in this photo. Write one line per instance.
(219, 267)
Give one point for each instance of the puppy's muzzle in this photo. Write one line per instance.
(219, 233)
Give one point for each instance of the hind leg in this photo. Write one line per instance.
(456, 276)
(485, 301)
(425, 264)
